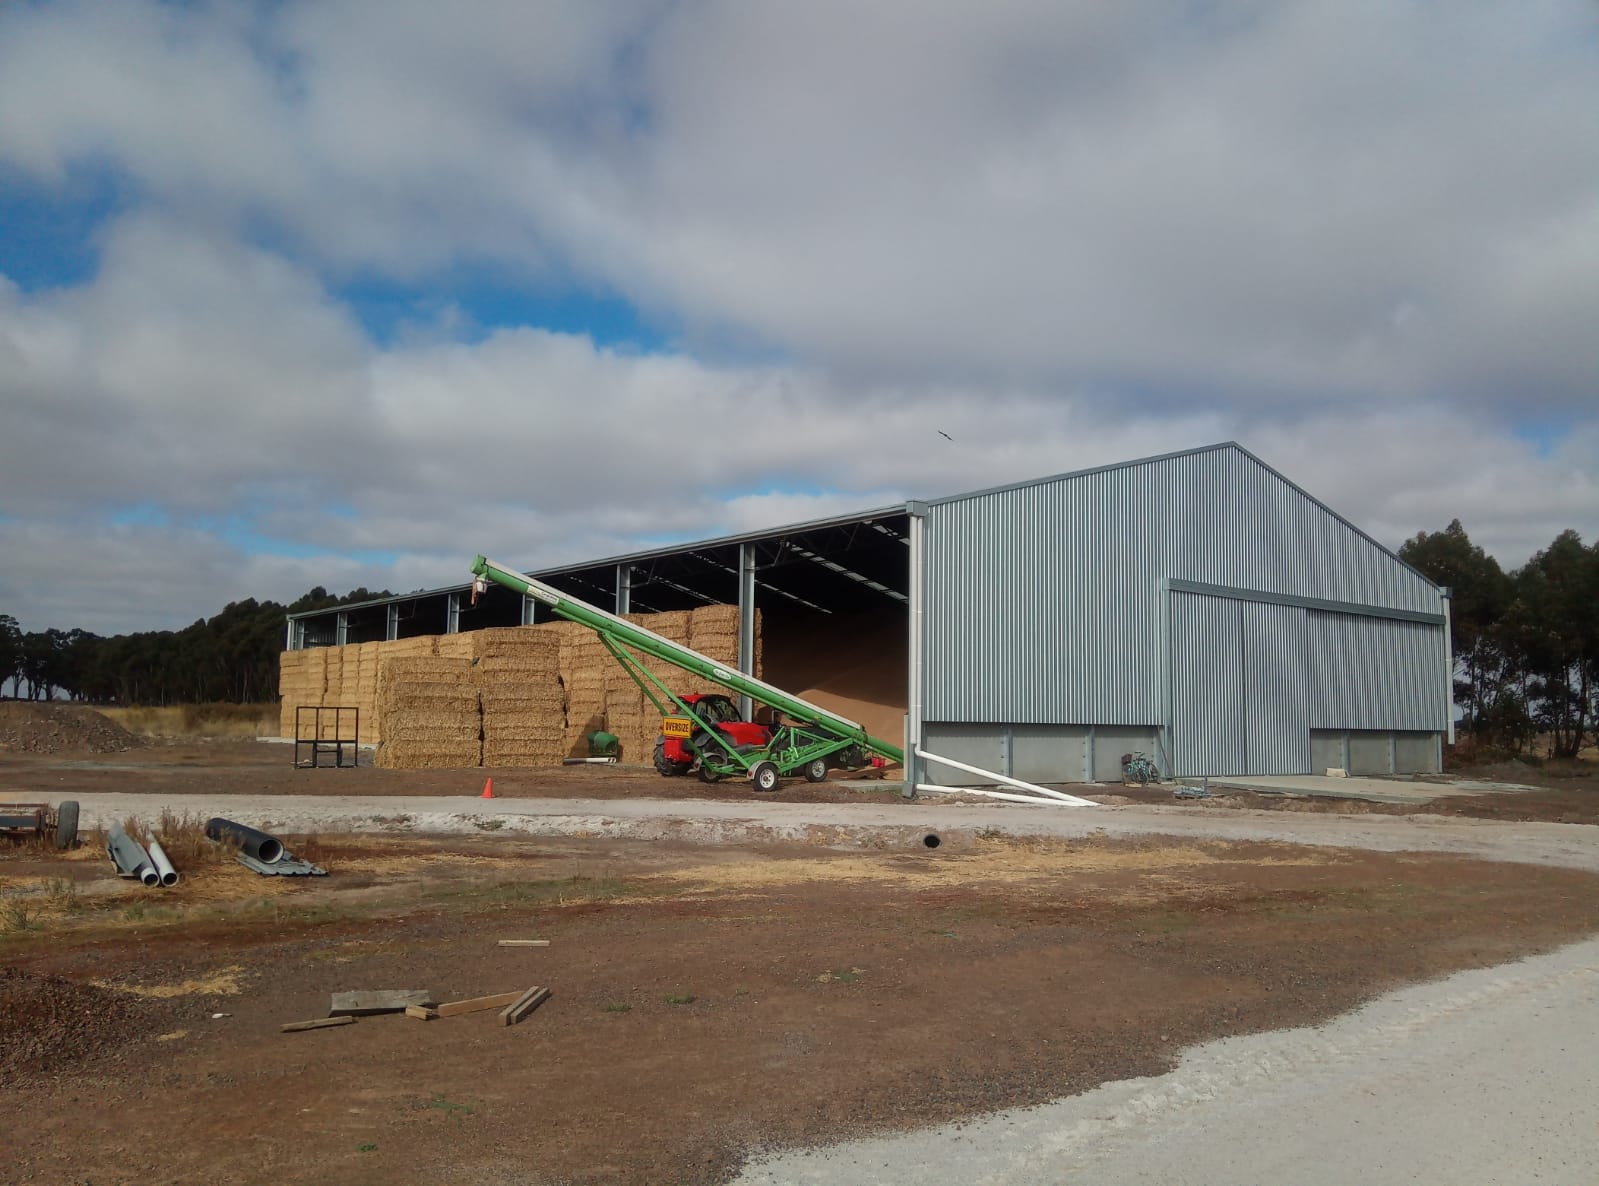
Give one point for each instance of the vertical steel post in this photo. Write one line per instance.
(914, 767)
(624, 589)
(746, 620)
(288, 642)
(341, 633)
(529, 615)
(392, 627)
(452, 614)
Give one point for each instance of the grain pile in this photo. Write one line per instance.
(429, 713)
(518, 675)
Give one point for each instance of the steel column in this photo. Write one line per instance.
(746, 620)
(915, 767)
(529, 616)
(342, 630)
(452, 614)
(392, 628)
(624, 588)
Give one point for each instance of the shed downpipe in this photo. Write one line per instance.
(1006, 780)
(158, 858)
(128, 855)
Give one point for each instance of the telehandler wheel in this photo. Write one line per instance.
(665, 765)
(816, 770)
(765, 776)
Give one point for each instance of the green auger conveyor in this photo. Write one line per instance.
(809, 741)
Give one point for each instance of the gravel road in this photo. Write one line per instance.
(1488, 1077)
(754, 821)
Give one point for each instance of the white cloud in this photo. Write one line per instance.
(1361, 237)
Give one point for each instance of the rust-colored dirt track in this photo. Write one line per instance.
(707, 1001)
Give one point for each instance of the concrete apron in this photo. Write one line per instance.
(1377, 790)
(877, 826)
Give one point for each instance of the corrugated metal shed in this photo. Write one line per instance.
(1077, 600)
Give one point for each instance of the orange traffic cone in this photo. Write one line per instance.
(488, 789)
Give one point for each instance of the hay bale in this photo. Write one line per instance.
(429, 711)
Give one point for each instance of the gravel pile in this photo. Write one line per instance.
(55, 728)
(48, 1023)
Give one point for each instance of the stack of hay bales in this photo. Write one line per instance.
(531, 694)
(518, 674)
(302, 681)
(429, 713)
(584, 666)
(628, 712)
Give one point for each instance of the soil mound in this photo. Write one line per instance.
(48, 1023)
(31, 728)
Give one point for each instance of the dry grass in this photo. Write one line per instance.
(199, 720)
(186, 844)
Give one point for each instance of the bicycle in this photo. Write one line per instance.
(1139, 768)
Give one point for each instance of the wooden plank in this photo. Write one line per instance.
(421, 1012)
(321, 1023)
(382, 1000)
(525, 1004)
(477, 1004)
(524, 942)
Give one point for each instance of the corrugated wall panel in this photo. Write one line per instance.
(1276, 688)
(1207, 686)
(1375, 673)
(1043, 602)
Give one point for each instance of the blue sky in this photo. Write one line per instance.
(343, 293)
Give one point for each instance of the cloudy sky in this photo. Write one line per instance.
(341, 292)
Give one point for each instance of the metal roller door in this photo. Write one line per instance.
(1207, 686)
(1276, 689)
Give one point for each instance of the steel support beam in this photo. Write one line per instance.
(528, 614)
(915, 767)
(452, 614)
(392, 629)
(624, 588)
(746, 620)
(341, 634)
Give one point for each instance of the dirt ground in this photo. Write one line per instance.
(707, 1002)
(1569, 795)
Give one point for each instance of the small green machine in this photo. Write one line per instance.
(809, 741)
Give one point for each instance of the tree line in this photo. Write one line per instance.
(1526, 642)
(230, 658)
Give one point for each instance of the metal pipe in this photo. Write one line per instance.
(259, 845)
(1005, 779)
(129, 856)
(158, 858)
(1035, 800)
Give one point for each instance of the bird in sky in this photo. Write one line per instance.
(944, 434)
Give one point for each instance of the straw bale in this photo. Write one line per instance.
(446, 732)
